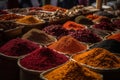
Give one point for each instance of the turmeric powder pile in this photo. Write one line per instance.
(29, 20)
(69, 45)
(72, 71)
(99, 58)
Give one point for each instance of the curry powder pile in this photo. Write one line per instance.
(29, 20)
(72, 71)
(99, 57)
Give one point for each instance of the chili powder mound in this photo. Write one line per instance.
(70, 25)
(43, 59)
(100, 58)
(69, 45)
(18, 47)
(72, 71)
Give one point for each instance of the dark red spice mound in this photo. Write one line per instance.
(105, 26)
(18, 47)
(56, 30)
(43, 59)
(117, 23)
(85, 36)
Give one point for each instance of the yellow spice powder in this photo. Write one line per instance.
(29, 20)
(72, 71)
(98, 57)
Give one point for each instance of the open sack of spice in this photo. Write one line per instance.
(10, 17)
(86, 36)
(99, 60)
(68, 45)
(39, 37)
(11, 29)
(40, 60)
(115, 36)
(71, 71)
(111, 45)
(9, 55)
(17, 47)
(30, 21)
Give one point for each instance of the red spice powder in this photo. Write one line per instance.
(43, 59)
(114, 36)
(69, 25)
(18, 47)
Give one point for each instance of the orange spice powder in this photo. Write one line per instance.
(98, 57)
(69, 45)
(73, 25)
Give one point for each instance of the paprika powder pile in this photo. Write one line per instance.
(18, 47)
(72, 71)
(43, 59)
(68, 45)
(70, 25)
(99, 58)
(115, 36)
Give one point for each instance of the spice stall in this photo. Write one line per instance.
(53, 43)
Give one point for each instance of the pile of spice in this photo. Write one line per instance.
(3, 12)
(39, 36)
(111, 45)
(69, 45)
(52, 8)
(18, 47)
(43, 59)
(29, 20)
(105, 13)
(70, 25)
(10, 17)
(56, 30)
(105, 26)
(99, 58)
(102, 19)
(117, 23)
(114, 36)
(18, 10)
(8, 25)
(92, 17)
(86, 36)
(72, 71)
(83, 20)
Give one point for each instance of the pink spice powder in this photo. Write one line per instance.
(18, 47)
(43, 59)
